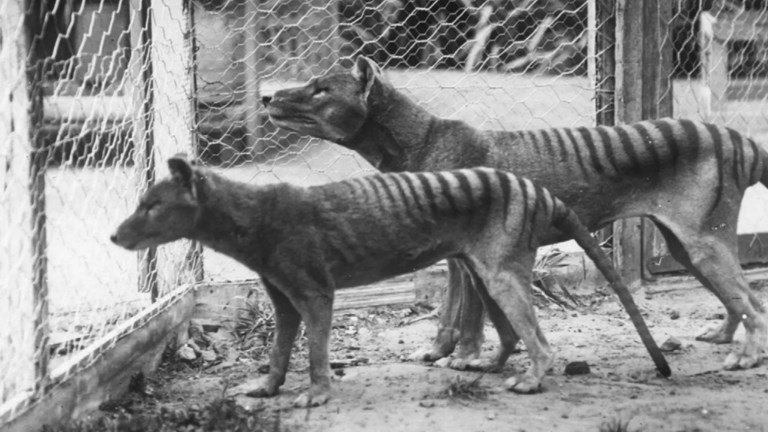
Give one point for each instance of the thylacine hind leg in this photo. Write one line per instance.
(507, 282)
(507, 337)
(713, 260)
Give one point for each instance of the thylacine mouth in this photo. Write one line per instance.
(290, 122)
(133, 245)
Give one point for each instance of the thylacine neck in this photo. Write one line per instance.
(232, 215)
(396, 126)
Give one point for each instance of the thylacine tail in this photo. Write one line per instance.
(569, 223)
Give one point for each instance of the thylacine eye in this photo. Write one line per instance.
(149, 206)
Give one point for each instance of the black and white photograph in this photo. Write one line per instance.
(383, 215)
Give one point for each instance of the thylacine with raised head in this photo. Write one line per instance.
(307, 242)
(688, 177)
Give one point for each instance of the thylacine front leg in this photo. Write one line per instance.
(287, 320)
(317, 311)
(306, 281)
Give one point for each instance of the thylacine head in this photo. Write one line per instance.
(332, 107)
(358, 109)
(166, 212)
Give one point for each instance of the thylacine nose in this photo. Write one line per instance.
(113, 238)
(266, 100)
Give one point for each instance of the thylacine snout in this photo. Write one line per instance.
(122, 237)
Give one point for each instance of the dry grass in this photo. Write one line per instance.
(464, 389)
(615, 425)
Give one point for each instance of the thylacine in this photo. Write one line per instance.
(307, 242)
(688, 177)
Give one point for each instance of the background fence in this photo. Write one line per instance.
(96, 94)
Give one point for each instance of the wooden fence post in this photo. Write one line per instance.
(140, 70)
(602, 15)
(643, 91)
(174, 122)
(255, 117)
(164, 120)
(195, 257)
(657, 94)
(24, 303)
(37, 166)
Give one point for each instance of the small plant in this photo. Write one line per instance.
(544, 281)
(460, 388)
(254, 325)
(615, 424)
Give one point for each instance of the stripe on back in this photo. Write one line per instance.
(429, 193)
(446, 191)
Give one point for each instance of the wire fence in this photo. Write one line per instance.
(87, 88)
(510, 65)
(718, 55)
(96, 94)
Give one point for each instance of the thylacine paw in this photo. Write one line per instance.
(523, 384)
(425, 355)
(717, 334)
(265, 387)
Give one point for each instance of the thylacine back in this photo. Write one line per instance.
(468, 199)
(307, 242)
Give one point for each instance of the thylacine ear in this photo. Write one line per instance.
(183, 171)
(367, 72)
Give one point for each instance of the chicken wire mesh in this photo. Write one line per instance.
(93, 98)
(497, 65)
(719, 74)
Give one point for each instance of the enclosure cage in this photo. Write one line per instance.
(95, 95)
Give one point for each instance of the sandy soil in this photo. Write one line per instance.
(386, 393)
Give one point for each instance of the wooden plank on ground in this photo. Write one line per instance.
(668, 283)
(753, 249)
(398, 290)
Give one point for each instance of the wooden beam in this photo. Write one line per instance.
(173, 124)
(142, 98)
(104, 369)
(255, 115)
(605, 60)
(16, 259)
(398, 290)
(603, 13)
(643, 69)
(194, 259)
(753, 249)
(37, 167)
(627, 234)
(657, 95)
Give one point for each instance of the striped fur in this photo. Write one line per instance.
(307, 242)
(688, 177)
(623, 153)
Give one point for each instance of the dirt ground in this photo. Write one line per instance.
(385, 392)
